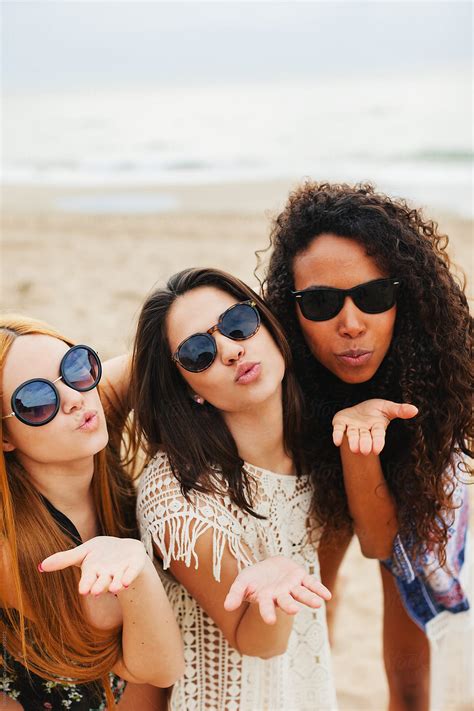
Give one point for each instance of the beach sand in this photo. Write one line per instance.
(87, 274)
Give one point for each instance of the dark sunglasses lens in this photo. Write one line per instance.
(239, 322)
(35, 402)
(197, 353)
(375, 298)
(81, 369)
(320, 305)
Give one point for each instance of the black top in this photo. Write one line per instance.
(37, 694)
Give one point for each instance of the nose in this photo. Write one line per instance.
(229, 351)
(70, 399)
(351, 320)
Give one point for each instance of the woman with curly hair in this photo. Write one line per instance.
(362, 285)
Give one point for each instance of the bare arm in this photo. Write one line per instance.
(370, 503)
(360, 433)
(151, 643)
(243, 628)
(144, 697)
(151, 640)
(273, 587)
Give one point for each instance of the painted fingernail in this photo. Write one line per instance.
(40, 568)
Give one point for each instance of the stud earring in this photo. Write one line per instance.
(198, 399)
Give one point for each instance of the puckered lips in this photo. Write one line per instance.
(354, 357)
(247, 372)
(89, 421)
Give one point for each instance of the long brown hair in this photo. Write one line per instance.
(59, 642)
(429, 362)
(195, 437)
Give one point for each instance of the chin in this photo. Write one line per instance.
(97, 442)
(353, 377)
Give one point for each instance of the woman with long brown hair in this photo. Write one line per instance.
(227, 484)
(362, 286)
(67, 506)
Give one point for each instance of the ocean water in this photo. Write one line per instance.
(410, 134)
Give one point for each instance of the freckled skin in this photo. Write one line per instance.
(342, 263)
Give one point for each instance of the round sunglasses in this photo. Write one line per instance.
(36, 401)
(322, 303)
(198, 352)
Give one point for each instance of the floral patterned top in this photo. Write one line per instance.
(37, 694)
(430, 593)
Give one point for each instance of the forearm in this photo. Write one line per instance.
(151, 641)
(255, 638)
(371, 505)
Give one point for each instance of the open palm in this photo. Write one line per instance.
(365, 424)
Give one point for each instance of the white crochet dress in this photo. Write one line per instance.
(217, 677)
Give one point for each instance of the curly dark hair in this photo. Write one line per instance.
(428, 364)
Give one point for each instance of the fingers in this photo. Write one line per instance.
(267, 609)
(236, 594)
(338, 433)
(378, 438)
(353, 438)
(101, 584)
(88, 578)
(287, 603)
(63, 559)
(117, 582)
(306, 597)
(130, 573)
(313, 584)
(365, 441)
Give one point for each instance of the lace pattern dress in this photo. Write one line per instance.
(217, 677)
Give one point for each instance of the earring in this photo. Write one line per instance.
(198, 399)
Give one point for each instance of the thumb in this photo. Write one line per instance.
(404, 411)
(63, 559)
(235, 596)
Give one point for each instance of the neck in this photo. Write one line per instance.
(67, 485)
(258, 433)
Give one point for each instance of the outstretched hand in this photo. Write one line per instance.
(365, 424)
(107, 563)
(276, 582)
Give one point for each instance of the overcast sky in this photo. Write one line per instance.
(54, 45)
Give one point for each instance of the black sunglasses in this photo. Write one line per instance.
(321, 303)
(198, 352)
(36, 402)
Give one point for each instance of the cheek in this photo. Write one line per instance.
(37, 443)
(385, 326)
(317, 335)
(206, 384)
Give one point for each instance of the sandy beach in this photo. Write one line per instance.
(88, 274)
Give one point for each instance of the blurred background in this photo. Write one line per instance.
(140, 138)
